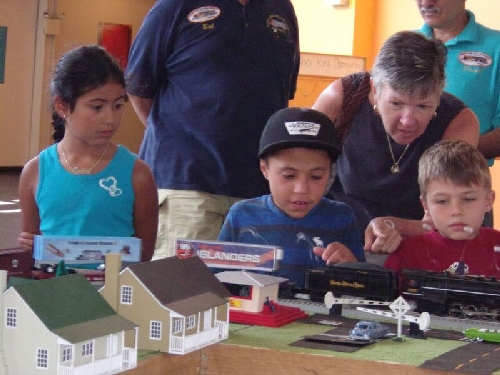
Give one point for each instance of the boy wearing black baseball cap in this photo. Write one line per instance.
(296, 151)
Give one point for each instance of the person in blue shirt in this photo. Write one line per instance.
(296, 151)
(472, 66)
(204, 77)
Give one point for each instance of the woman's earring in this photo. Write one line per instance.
(435, 114)
(375, 109)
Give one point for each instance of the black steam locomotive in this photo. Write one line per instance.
(437, 293)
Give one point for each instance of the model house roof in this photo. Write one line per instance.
(70, 307)
(248, 278)
(182, 285)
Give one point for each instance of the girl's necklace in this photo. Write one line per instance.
(76, 170)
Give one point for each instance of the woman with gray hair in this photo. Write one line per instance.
(387, 119)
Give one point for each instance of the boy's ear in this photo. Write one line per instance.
(490, 198)
(263, 168)
(424, 204)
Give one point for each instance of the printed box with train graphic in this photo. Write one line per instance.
(84, 250)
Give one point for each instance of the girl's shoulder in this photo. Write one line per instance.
(122, 151)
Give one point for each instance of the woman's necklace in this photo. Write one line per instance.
(76, 170)
(395, 166)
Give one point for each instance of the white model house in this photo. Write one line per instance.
(62, 326)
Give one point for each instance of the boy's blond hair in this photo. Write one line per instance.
(457, 161)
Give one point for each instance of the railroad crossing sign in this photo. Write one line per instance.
(399, 307)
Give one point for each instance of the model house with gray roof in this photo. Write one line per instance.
(64, 326)
(179, 304)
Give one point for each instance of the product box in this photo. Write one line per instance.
(17, 262)
(241, 256)
(82, 250)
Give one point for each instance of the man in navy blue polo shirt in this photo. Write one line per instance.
(204, 77)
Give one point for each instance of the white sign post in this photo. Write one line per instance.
(399, 307)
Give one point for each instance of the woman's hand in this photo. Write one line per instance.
(382, 235)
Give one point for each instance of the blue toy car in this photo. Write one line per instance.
(367, 330)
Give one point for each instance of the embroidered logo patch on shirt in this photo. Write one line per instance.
(279, 26)
(475, 59)
(302, 127)
(203, 14)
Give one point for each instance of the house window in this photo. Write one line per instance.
(42, 358)
(126, 295)
(155, 330)
(11, 318)
(190, 322)
(176, 326)
(87, 349)
(67, 354)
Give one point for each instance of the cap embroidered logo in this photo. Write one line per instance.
(302, 128)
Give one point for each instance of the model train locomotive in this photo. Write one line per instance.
(438, 293)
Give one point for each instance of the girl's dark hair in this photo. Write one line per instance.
(77, 72)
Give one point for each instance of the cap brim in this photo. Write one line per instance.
(331, 149)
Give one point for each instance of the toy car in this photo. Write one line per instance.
(367, 330)
(91, 255)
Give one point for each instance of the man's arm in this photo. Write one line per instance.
(142, 107)
(465, 127)
(489, 144)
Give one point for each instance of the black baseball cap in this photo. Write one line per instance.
(299, 127)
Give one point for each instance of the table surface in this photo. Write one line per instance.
(227, 359)
(260, 350)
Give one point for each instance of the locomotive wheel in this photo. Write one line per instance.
(456, 310)
(485, 313)
(470, 311)
(495, 314)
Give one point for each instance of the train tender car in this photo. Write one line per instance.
(358, 279)
(460, 296)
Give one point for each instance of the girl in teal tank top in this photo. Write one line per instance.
(84, 184)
